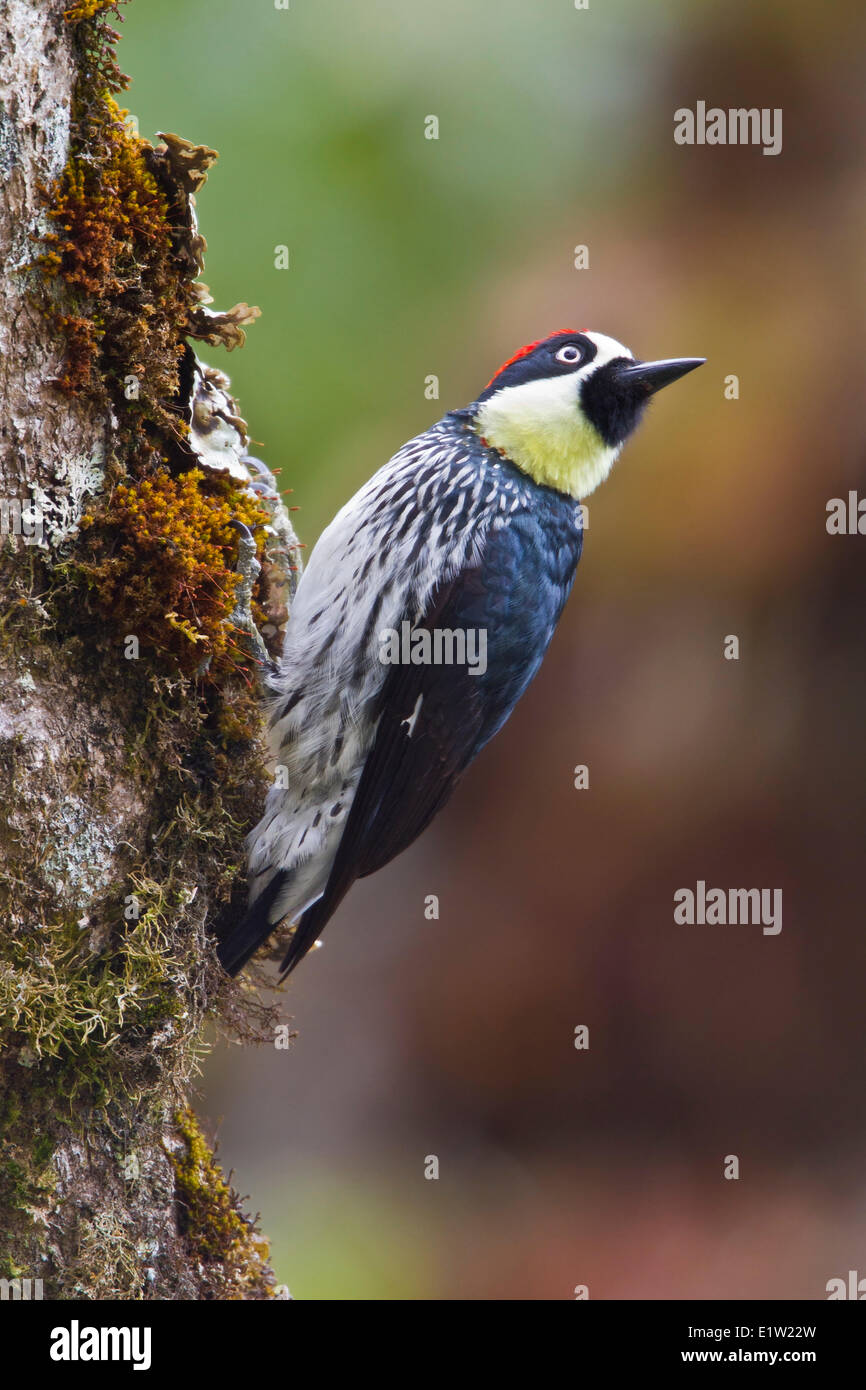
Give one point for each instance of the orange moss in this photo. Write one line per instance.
(161, 560)
(112, 248)
(88, 9)
(82, 345)
(107, 215)
(120, 261)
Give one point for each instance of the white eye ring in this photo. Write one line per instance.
(569, 353)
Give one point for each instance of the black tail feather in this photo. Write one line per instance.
(302, 940)
(256, 926)
(304, 937)
(313, 922)
(253, 929)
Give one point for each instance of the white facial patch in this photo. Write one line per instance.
(541, 427)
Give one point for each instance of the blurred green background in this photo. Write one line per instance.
(411, 257)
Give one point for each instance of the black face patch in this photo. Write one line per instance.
(540, 362)
(612, 402)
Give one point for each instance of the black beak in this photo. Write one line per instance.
(649, 377)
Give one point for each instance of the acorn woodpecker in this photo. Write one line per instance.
(472, 527)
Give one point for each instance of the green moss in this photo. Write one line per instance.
(10, 1111)
(103, 1009)
(43, 1149)
(98, 1005)
(61, 1000)
(106, 1264)
(219, 1235)
(26, 1180)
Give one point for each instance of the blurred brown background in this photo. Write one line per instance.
(455, 1037)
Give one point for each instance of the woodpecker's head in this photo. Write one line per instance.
(562, 408)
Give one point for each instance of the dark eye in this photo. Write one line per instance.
(569, 353)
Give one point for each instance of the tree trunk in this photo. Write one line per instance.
(131, 761)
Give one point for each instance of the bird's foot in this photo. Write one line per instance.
(241, 617)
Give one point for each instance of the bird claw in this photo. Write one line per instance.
(249, 569)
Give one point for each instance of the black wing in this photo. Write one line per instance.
(436, 718)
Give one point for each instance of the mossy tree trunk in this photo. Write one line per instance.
(131, 762)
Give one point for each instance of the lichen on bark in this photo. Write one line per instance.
(131, 759)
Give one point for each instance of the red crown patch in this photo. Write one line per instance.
(530, 347)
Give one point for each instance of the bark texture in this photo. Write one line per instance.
(131, 761)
